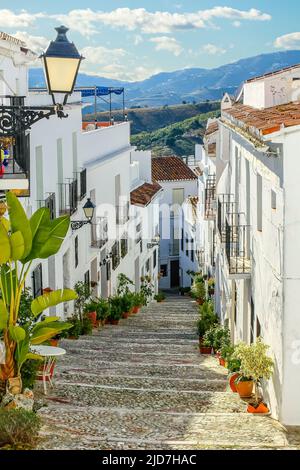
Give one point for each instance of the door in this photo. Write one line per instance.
(174, 273)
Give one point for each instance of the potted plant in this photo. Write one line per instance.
(199, 292)
(160, 297)
(233, 366)
(256, 365)
(124, 284)
(211, 286)
(90, 310)
(102, 310)
(76, 327)
(207, 318)
(126, 304)
(22, 241)
(115, 312)
(147, 289)
(137, 302)
(87, 325)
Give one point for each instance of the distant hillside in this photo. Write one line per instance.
(151, 119)
(177, 139)
(195, 84)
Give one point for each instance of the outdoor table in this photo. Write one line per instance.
(50, 354)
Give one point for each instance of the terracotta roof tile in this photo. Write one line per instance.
(265, 121)
(212, 149)
(171, 169)
(144, 194)
(212, 128)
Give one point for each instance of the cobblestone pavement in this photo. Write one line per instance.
(144, 385)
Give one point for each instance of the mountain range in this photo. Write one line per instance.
(190, 85)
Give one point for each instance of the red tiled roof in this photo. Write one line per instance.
(212, 149)
(144, 194)
(267, 120)
(171, 169)
(212, 128)
(270, 74)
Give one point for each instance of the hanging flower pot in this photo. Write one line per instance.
(262, 408)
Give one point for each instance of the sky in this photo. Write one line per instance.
(132, 40)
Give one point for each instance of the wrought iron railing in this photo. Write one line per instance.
(210, 197)
(100, 233)
(50, 203)
(68, 197)
(15, 156)
(225, 205)
(122, 213)
(83, 185)
(237, 245)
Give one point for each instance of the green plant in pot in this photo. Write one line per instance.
(160, 297)
(147, 289)
(115, 312)
(83, 292)
(211, 286)
(102, 310)
(199, 292)
(256, 365)
(23, 241)
(76, 328)
(126, 304)
(207, 319)
(137, 301)
(90, 310)
(124, 284)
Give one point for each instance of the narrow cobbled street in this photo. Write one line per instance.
(144, 385)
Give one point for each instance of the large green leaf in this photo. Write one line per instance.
(5, 250)
(22, 351)
(48, 235)
(52, 299)
(17, 333)
(58, 325)
(19, 221)
(6, 275)
(3, 316)
(42, 334)
(17, 246)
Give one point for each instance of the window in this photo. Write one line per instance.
(87, 279)
(252, 322)
(148, 265)
(76, 251)
(154, 259)
(115, 255)
(192, 256)
(164, 270)
(108, 271)
(37, 281)
(124, 245)
(259, 203)
(273, 199)
(182, 240)
(141, 246)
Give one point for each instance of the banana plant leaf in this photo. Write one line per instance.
(5, 251)
(52, 299)
(48, 234)
(43, 334)
(61, 325)
(19, 221)
(17, 333)
(3, 316)
(6, 276)
(17, 246)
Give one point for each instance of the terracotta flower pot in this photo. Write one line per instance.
(205, 350)
(260, 409)
(125, 314)
(106, 321)
(200, 301)
(115, 322)
(53, 342)
(222, 361)
(93, 317)
(245, 389)
(232, 380)
(135, 309)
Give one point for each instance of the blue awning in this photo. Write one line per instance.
(100, 91)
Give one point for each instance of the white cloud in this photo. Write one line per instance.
(87, 22)
(101, 55)
(36, 43)
(237, 24)
(288, 41)
(165, 43)
(9, 19)
(138, 39)
(212, 49)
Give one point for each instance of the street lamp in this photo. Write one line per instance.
(155, 242)
(88, 209)
(61, 63)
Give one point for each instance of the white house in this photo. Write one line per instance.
(64, 164)
(257, 226)
(177, 226)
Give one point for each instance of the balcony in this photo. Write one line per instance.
(237, 247)
(50, 203)
(15, 164)
(122, 213)
(68, 197)
(100, 233)
(225, 205)
(210, 198)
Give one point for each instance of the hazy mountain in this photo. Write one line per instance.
(194, 84)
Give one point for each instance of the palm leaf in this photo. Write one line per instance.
(17, 246)
(42, 335)
(51, 299)
(5, 251)
(19, 221)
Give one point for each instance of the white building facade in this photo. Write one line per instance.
(65, 165)
(256, 220)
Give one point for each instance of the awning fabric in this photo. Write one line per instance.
(101, 91)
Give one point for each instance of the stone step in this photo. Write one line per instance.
(155, 400)
(100, 428)
(142, 382)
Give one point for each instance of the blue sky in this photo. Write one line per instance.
(132, 39)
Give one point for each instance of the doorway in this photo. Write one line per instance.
(174, 273)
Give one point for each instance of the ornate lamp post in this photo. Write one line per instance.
(88, 209)
(61, 64)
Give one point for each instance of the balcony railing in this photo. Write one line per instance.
(50, 203)
(99, 233)
(15, 162)
(210, 198)
(122, 213)
(68, 197)
(226, 205)
(237, 246)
